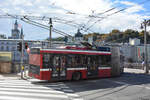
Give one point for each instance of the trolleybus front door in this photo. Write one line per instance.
(59, 70)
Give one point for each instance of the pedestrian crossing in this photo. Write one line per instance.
(26, 90)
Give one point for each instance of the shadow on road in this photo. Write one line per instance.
(106, 86)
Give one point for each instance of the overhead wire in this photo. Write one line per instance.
(46, 26)
(40, 25)
(123, 9)
(83, 27)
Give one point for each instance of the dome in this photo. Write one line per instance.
(78, 34)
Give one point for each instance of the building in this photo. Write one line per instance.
(2, 36)
(15, 32)
(90, 40)
(134, 41)
(78, 37)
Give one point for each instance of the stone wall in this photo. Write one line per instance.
(5, 67)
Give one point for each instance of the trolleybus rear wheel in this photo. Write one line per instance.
(76, 76)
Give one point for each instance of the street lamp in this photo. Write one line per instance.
(144, 25)
(50, 33)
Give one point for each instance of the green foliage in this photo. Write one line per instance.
(57, 39)
(115, 36)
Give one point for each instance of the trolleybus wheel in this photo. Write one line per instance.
(76, 76)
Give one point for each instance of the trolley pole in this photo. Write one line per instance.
(22, 68)
(144, 24)
(50, 33)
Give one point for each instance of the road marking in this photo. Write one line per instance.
(72, 95)
(25, 90)
(147, 87)
(30, 90)
(29, 86)
(67, 90)
(77, 99)
(33, 94)
(20, 98)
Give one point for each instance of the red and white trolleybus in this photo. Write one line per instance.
(66, 64)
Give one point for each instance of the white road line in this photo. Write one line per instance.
(72, 95)
(27, 84)
(147, 87)
(16, 84)
(67, 90)
(31, 87)
(77, 99)
(15, 81)
(30, 90)
(34, 94)
(120, 82)
(25, 90)
(20, 98)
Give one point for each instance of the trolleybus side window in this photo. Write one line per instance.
(69, 61)
(63, 61)
(74, 61)
(84, 60)
(78, 60)
(47, 60)
(105, 60)
(56, 61)
(92, 61)
(59, 60)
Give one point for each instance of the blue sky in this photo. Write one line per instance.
(74, 11)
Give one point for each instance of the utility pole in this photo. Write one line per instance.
(145, 24)
(22, 54)
(50, 33)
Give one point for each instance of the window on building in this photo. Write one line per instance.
(2, 48)
(13, 48)
(7, 48)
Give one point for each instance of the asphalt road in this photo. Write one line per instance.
(129, 86)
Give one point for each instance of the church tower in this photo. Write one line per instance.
(15, 33)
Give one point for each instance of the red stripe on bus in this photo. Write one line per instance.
(104, 72)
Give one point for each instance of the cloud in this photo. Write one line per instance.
(133, 7)
(21, 2)
(84, 6)
(78, 11)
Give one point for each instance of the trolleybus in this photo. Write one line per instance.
(67, 64)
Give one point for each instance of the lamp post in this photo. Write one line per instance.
(144, 25)
(50, 32)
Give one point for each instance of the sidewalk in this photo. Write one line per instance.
(131, 70)
(9, 76)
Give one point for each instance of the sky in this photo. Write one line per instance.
(70, 15)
